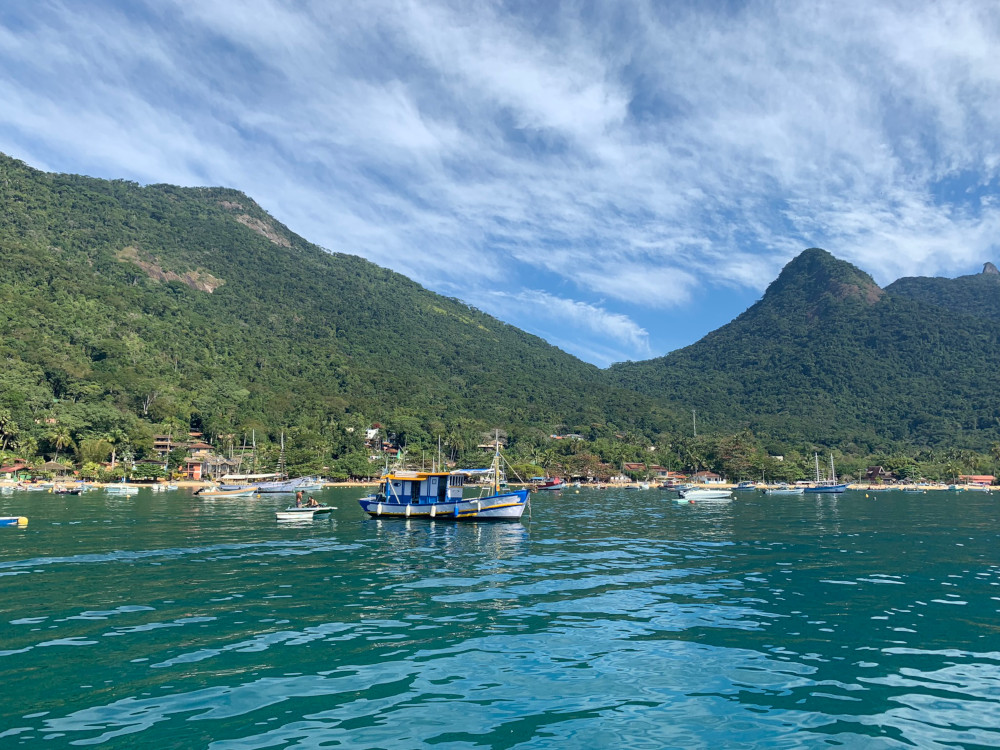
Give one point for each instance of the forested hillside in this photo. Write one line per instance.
(152, 308)
(977, 295)
(827, 357)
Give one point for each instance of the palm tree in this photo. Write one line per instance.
(60, 438)
(116, 437)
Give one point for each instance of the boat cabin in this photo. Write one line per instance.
(422, 487)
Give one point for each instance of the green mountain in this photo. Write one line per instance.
(977, 295)
(123, 306)
(827, 357)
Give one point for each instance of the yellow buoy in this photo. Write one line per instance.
(22, 521)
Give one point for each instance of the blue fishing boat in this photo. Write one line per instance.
(440, 494)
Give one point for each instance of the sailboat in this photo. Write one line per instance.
(269, 483)
(828, 485)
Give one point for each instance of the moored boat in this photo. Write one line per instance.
(549, 484)
(705, 494)
(830, 483)
(439, 494)
(303, 513)
(783, 489)
(218, 492)
(13, 521)
(121, 489)
(266, 484)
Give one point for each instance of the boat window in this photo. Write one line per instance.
(415, 492)
(442, 494)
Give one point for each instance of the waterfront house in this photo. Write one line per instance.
(17, 470)
(877, 474)
(706, 477)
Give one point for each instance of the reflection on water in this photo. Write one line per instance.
(604, 621)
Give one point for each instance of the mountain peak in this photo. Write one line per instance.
(990, 270)
(816, 276)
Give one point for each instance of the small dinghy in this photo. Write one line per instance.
(13, 521)
(305, 513)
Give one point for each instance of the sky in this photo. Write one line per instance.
(619, 178)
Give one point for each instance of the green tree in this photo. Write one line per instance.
(8, 430)
(59, 437)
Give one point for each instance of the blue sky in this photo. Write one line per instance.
(618, 178)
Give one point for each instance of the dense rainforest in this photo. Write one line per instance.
(128, 311)
(827, 356)
(140, 309)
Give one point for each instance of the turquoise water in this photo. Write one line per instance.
(605, 620)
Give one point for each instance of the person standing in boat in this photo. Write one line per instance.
(298, 499)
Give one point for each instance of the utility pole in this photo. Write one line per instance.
(694, 423)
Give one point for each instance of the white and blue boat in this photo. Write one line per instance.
(120, 488)
(828, 485)
(440, 494)
(265, 484)
(783, 489)
(13, 521)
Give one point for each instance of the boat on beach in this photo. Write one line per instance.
(440, 494)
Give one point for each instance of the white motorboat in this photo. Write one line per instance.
(304, 513)
(705, 494)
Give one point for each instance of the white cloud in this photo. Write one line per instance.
(641, 154)
(587, 330)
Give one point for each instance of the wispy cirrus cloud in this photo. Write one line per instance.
(642, 161)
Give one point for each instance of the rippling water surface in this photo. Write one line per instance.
(619, 620)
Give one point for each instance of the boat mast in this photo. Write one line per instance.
(816, 455)
(496, 464)
(281, 458)
(833, 473)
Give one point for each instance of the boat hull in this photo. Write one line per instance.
(828, 488)
(508, 506)
(304, 484)
(227, 493)
(303, 514)
(705, 494)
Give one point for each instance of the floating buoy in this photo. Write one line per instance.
(408, 511)
(378, 509)
(433, 511)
